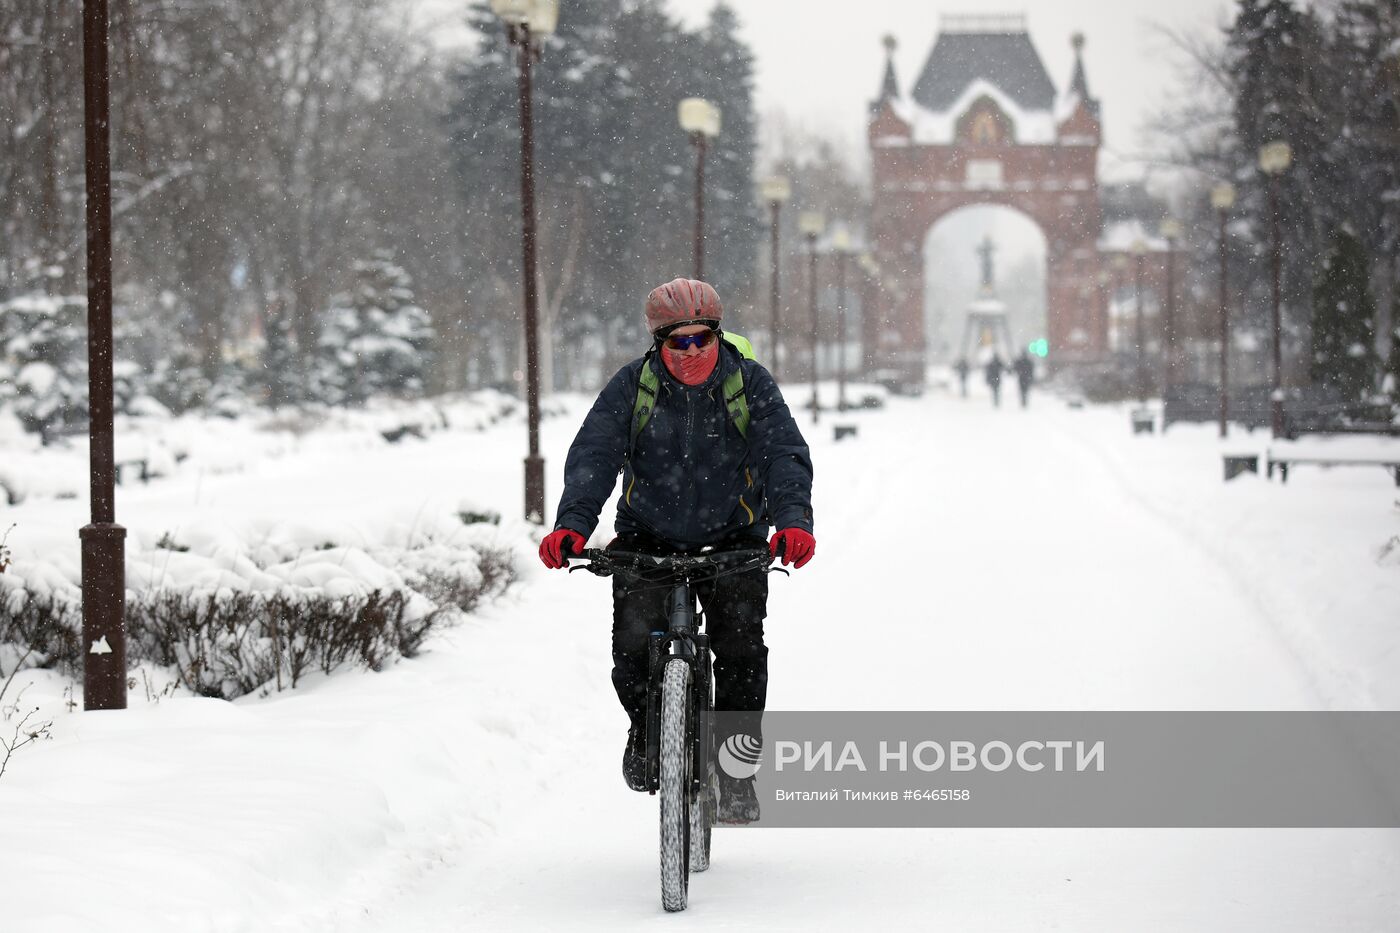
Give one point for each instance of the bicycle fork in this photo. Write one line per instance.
(680, 641)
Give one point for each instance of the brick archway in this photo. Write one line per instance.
(995, 136)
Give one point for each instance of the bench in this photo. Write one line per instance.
(845, 430)
(143, 474)
(394, 435)
(1238, 464)
(1284, 461)
(1295, 428)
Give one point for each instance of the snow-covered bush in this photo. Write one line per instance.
(230, 644)
(43, 342)
(229, 627)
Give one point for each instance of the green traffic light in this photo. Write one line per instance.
(1040, 348)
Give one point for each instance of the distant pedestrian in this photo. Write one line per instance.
(962, 369)
(1025, 377)
(993, 372)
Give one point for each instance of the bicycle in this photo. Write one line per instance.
(680, 697)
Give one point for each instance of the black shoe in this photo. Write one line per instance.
(634, 757)
(738, 802)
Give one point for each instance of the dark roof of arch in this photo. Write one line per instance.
(1005, 59)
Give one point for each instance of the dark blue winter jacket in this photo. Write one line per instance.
(693, 479)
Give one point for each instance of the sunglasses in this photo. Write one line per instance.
(701, 340)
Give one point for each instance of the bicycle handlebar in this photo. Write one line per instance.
(633, 563)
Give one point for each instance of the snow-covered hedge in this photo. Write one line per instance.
(229, 618)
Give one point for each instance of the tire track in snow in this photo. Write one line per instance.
(1254, 591)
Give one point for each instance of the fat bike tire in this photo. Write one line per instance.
(704, 813)
(677, 757)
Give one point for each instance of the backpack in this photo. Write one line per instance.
(735, 401)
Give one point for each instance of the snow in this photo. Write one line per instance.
(930, 128)
(968, 559)
(37, 377)
(1121, 236)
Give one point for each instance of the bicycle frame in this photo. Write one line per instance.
(680, 640)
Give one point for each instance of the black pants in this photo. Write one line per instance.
(734, 608)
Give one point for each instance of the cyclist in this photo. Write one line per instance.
(703, 471)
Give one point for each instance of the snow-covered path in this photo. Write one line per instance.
(967, 560)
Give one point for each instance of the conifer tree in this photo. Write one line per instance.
(1344, 320)
(45, 338)
(1391, 383)
(378, 340)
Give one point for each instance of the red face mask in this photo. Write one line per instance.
(691, 370)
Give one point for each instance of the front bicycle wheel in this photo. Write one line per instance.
(676, 767)
(704, 808)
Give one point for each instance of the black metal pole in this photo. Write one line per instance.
(1169, 321)
(775, 314)
(1141, 332)
(1276, 396)
(103, 540)
(1224, 335)
(841, 330)
(867, 310)
(699, 140)
(534, 463)
(812, 285)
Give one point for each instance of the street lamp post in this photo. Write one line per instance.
(869, 284)
(811, 224)
(841, 245)
(1139, 249)
(700, 120)
(1222, 198)
(1106, 282)
(1274, 159)
(1171, 231)
(527, 22)
(103, 540)
(775, 191)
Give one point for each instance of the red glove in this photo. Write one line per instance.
(557, 544)
(797, 546)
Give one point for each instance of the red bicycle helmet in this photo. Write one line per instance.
(682, 301)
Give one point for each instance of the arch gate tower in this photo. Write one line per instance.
(985, 125)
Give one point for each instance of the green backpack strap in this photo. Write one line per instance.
(736, 403)
(647, 387)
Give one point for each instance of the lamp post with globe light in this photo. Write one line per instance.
(1139, 251)
(841, 246)
(775, 190)
(1222, 198)
(527, 23)
(1274, 159)
(870, 283)
(1171, 231)
(811, 224)
(700, 120)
